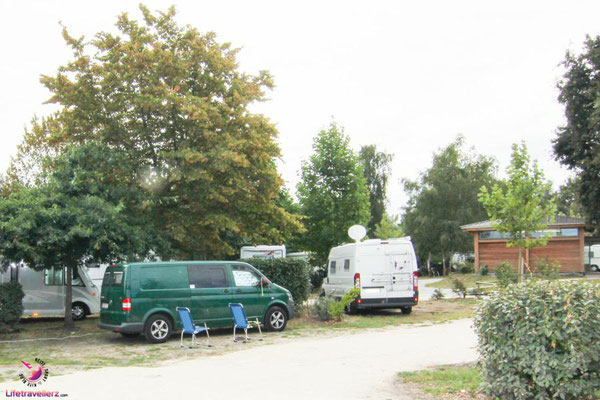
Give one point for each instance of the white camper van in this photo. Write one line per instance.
(262, 251)
(385, 271)
(592, 257)
(45, 291)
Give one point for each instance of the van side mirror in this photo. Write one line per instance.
(264, 282)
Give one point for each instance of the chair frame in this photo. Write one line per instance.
(249, 323)
(195, 332)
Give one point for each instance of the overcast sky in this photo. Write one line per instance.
(406, 76)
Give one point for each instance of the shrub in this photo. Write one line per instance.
(459, 287)
(11, 305)
(483, 271)
(467, 268)
(539, 340)
(321, 308)
(337, 308)
(291, 273)
(437, 295)
(506, 275)
(317, 275)
(547, 269)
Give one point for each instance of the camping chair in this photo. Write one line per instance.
(241, 321)
(188, 326)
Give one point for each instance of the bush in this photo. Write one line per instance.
(483, 271)
(467, 268)
(459, 287)
(327, 308)
(547, 269)
(291, 273)
(437, 295)
(506, 275)
(11, 305)
(539, 340)
(321, 308)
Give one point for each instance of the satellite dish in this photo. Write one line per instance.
(357, 232)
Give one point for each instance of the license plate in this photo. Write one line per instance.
(104, 305)
(371, 290)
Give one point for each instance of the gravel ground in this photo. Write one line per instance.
(353, 366)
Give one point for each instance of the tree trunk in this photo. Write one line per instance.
(429, 264)
(444, 268)
(69, 325)
(521, 266)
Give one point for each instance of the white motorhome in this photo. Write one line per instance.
(592, 257)
(385, 271)
(262, 251)
(45, 291)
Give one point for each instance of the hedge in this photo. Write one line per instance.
(291, 273)
(539, 340)
(11, 305)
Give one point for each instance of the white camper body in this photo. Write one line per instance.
(45, 291)
(385, 271)
(262, 251)
(592, 257)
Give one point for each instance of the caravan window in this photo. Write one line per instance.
(53, 276)
(346, 265)
(332, 267)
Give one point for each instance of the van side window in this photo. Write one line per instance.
(76, 281)
(244, 276)
(53, 276)
(207, 276)
(332, 267)
(159, 277)
(346, 265)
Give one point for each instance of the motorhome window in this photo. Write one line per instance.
(332, 267)
(161, 277)
(346, 265)
(206, 277)
(76, 281)
(14, 273)
(53, 276)
(244, 276)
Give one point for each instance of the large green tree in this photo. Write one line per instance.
(77, 215)
(577, 144)
(523, 207)
(568, 198)
(377, 169)
(444, 198)
(174, 100)
(332, 193)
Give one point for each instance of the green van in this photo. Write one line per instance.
(143, 297)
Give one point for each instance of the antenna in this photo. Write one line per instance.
(357, 232)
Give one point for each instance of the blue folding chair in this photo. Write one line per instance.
(188, 327)
(241, 321)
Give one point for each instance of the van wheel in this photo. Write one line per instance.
(79, 311)
(275, 319)
(406, 310)
(351, 309)
(595, 268)
(158, 329)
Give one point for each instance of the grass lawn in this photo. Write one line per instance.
(468, 279)
(448, 380)
(90, 347)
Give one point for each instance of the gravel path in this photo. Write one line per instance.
(353, 366)
(426, 292)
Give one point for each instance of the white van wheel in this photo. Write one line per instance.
(78, 311)
(406, 310)
(595, 268)
(351, 309)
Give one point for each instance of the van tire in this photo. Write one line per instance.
(275, 319)
(79, 311)
(351, 309)
(406, 310)
(158, 328)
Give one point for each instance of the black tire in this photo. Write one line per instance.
(406, 310)
(276, 319)
(158, 328)
(79, 311)
(595, 268)
(129, 335)
(351, 309)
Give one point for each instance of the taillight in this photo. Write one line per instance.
(126, 304)
(416, 281)
(357, 280)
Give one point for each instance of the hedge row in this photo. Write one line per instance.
(11, 305)
(539, 340)
(291, 273)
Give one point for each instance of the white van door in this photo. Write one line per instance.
(400, 264)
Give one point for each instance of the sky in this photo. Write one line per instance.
(405, 76)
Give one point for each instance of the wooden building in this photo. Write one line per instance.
(565, 245)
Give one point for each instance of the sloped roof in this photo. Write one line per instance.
(559, 221)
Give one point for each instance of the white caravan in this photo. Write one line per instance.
(385, 271)
(262, 251)
(45, 291)
(592, 257)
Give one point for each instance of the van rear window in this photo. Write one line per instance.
(112, 278)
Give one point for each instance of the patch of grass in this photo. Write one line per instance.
(468, 279)
(444, 380)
